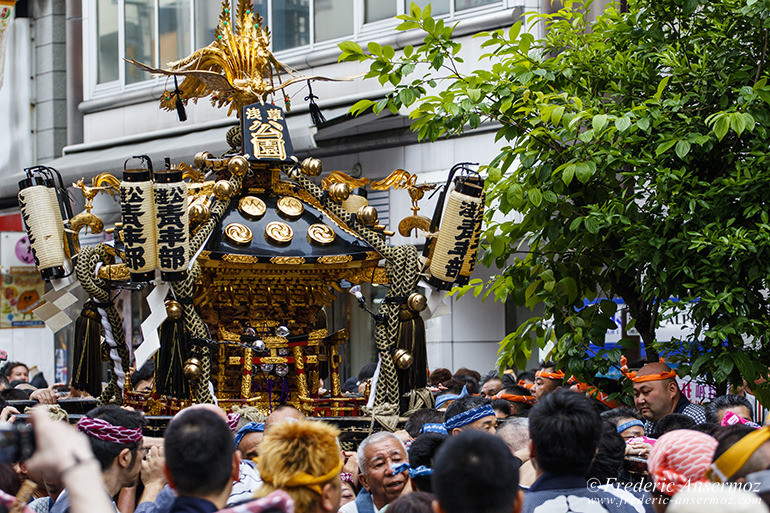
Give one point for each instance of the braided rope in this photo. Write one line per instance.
(97, 288)
(402, 269)
(184, 290)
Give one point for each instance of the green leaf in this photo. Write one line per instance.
(661, 86)
(737, 122)
(570, 285)
(557, 114)
(375, 48)
(682, 149)
(532, 288)
(584, 171)
(622, 124)
(568, 173)
(591, 224)
(474, 94)
(598, 122)
(721, 127)
(360, 106)
(350, 47)
(536, 197)
(664, 147)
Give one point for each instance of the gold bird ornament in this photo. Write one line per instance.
(237, 69)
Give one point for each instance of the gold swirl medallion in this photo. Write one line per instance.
(290, 207)
(252, 207)
(238, 233)
(278, 232)
(320, 234)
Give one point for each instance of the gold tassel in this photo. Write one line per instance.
(169, 371)
(411, 352)
(87, 364)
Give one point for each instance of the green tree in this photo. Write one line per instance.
(637, 149)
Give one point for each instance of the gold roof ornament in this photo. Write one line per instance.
(236, 70)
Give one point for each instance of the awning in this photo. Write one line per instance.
(340, 135)
(90, 161)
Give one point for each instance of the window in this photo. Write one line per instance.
(107, 41)
(157, 32)
(380, 9)
(333, 19)
(139, 37)
(173, 30)
(291, 24)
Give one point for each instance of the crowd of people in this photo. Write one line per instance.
(534, 442)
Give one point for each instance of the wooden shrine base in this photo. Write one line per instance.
(353, 429)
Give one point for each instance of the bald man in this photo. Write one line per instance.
(657, 394)
(284, 413)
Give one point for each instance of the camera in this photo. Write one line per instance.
(17, 442)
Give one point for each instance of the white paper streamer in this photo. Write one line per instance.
(436, 302)
(373, 388)
(51, 312)
(157, 303)
(120, 372)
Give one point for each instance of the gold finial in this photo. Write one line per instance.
(236, 70)
(104, 182)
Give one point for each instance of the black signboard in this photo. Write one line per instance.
(265, 134)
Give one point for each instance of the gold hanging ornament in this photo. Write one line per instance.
(311, 166)
(198, 213)
(238, 165)
(403, 359)
(367, 215)
(223, 189)
(339, 192)
(416, 302)
(193, 368)
(174, 309)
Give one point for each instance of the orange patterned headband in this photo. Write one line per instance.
(550, 375)
(641, 379)
(522, 383)
(516, 398)
(592, 391)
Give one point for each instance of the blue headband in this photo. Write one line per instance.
(251, 427)
(400, 467)
(421, 471)
(468, 417)
(433, 428)
(630, 423)
(440, 400)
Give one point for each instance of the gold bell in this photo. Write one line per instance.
(200, 159)
(223, 189)
(403, 359)
(193, 368)
(339, 192)
(238, 165)
(198, 213)
(416, 302)
(367, 215)
(311, 166)
(174, 309)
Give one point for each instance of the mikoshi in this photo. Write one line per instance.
(242, 252)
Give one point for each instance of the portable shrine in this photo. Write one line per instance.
(242, 252)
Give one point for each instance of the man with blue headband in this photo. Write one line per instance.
(470, 413)
(247, 440)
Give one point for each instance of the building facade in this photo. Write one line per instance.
(75, 104)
